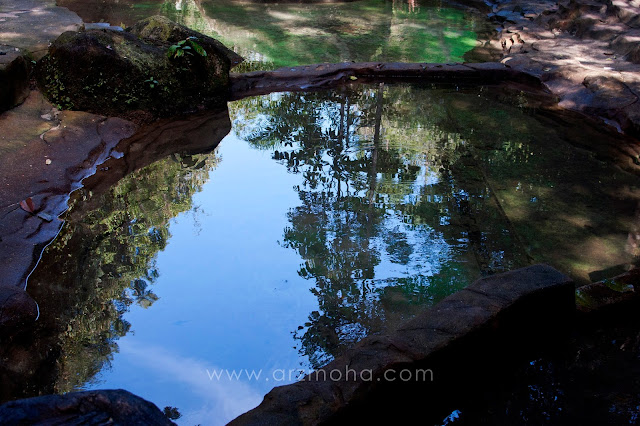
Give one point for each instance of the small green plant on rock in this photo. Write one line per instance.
(152, 82)
(186, 47)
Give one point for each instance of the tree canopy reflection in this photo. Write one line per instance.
(102, 263)
(385, 220)
(409, 194)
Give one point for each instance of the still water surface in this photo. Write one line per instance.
(321, 218)
(271, 35)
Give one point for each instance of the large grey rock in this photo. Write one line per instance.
(117, 72)
(326, 76)
(112, 407)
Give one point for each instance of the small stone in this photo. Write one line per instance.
(46, 216)
(47, 161)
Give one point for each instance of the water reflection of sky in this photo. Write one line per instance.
(230, 296)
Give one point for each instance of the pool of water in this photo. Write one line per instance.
(271, 35)
(216, 272)
(206, 278)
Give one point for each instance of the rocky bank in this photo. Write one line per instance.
(586, 52)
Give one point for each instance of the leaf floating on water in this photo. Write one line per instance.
(353, 77)
(27, 205)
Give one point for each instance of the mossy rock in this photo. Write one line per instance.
(159, 29)
(117, 72)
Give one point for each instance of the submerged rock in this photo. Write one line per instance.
(114, 407)
(17, 310)
(157, 66)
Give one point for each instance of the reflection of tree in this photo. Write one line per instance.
(123, 237)
(101, 264)
(141, 293)
(383, 220)
(409, 194)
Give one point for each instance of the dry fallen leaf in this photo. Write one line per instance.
(27, 205)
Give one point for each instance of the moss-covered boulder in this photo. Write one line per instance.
(157, 66)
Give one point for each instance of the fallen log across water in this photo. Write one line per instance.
(326, 76)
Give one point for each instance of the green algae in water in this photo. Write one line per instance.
(289, 34)
(369, 30)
